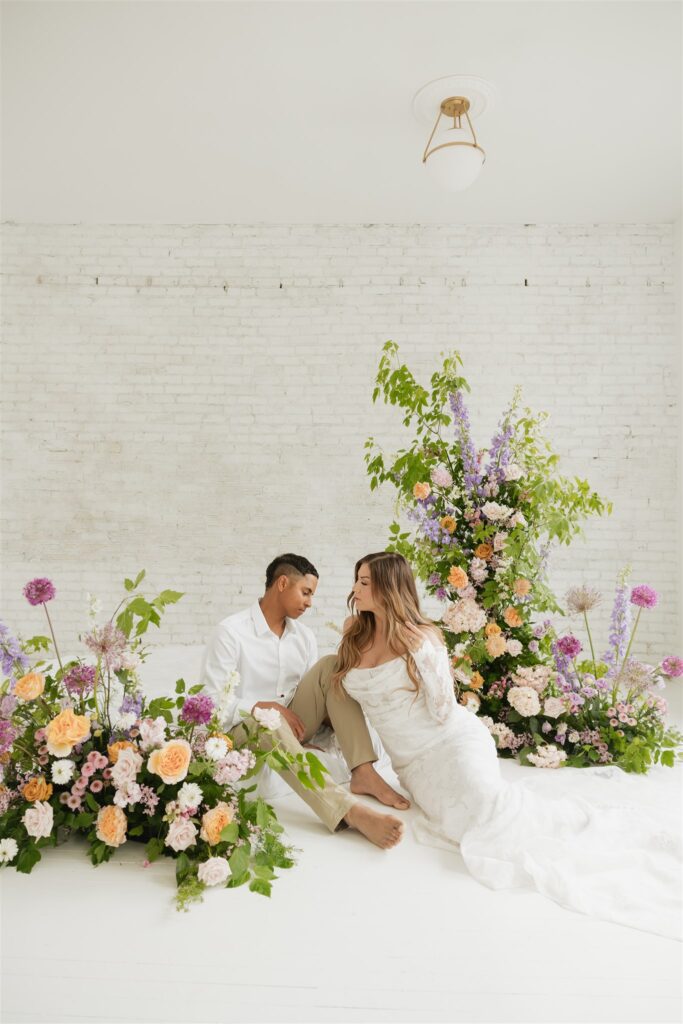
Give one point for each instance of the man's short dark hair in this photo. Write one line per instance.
(289, 565)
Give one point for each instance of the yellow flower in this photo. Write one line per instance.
(476, 681)
(448, 523)
(29, 686)
(37, 789)
(171, 761)
(492, 629)
(495, 645)
(483, 551)
(457, 577)
(112, 825)
(422, 491)
(521, 587)
(512, 617)
(213, 823)
(65, 731)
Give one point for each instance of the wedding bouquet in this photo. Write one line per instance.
(483, 525)
(82, 751)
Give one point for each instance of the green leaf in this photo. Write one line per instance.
(154, 848)
(84, 820)
(139, 578)
(92, 802)
(167, 597)
(136, 831)
(27, 859)
(239, 861)
(667, 758)
(180, 686)
(260, 885)
(230, 833)
(183, 867)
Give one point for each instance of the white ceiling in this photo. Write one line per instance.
(220, 112)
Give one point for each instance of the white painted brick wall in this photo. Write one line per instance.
(195, 399)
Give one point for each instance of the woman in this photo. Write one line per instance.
(607, 861)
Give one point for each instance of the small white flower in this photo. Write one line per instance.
(125, 722)
(561, 729)
(94, 605)
(189, 796)
(270, 718)
(513, 647)
(573, 736)
(62, 771)
(524, 700)
(8, 850)
(215, 748)
(548, 756)
(494, 512)
(512, 472)
(470, 701)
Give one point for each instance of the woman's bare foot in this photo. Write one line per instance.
(365, 780)
(383, 830)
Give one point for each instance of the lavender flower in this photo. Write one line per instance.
(80, 679)
(8, 734)
(644, 596)
(197, 710)
(7, 705)
(39, 590)
(499, 452)
(131, 704)
(620, 623)
(470, 462)
(12, 657)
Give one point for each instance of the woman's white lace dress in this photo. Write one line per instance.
(602, 857)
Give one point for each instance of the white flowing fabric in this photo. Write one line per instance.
(610, 859)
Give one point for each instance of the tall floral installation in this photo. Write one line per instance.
(481, 527)
(82, 752)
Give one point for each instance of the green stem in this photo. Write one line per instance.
(94, 689)
(54, 639)
(630, 643)
(590, 641)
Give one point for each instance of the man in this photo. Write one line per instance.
(271, 651)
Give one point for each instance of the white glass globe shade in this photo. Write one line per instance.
(455, 167)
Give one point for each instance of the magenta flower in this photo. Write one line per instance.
(672, 667)
(80, 679)
(197, 710)
(644, 596)
(569, 646)
(39, 591)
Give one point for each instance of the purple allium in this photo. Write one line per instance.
(39, 591)
(569, 646)
(644, 596)
(470, 462)
(11, 654)
(197, 710)
(108, 643)
(80, 679)
(672, 667)
(442, 594)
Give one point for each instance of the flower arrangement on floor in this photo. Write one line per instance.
(82, 751)
(483, 525)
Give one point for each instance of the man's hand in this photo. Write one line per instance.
(292, 720)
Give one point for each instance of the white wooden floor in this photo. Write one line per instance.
(351, 934)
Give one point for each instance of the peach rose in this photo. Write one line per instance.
(65, 731)
(495, 645)
(476, 681)
(111, 825)
(114, 749)
(422, 491)
(448, 523)
(492, 629)
(521, 587)
(457, 577)
(30, 686)
(512, 617)
(37, 789)
(171, 761)
(213, 823)
(484, 551)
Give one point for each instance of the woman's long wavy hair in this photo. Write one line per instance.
(393, 588)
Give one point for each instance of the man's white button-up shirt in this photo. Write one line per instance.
(269, 666)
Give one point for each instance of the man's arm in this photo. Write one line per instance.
(221, 658)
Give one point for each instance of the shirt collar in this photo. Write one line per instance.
(262, 627)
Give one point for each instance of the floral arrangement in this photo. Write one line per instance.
(483, 524)
(82, 751)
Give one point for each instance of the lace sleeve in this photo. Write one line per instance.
(435, 671)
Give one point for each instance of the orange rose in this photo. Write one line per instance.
(422, 491)
(222, 736)
(213, 823)
(65, 731)
(111, 825)
(476, 681)
(171, 761)
(448, 523)
(495, 645)
(30, 686)
(37, 789)
(492, 629)
(512, 617)
(114, 749)
(457, 577)
(484, 551)
(521, 587)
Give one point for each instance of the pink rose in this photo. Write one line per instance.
(213, 871)
(127, 766)
(152, 733)
(38, 819)
(181, 834)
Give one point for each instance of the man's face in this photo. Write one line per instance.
(297, 595)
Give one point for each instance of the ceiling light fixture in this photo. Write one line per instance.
(453, 156)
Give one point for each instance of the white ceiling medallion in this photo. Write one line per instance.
(453, 155)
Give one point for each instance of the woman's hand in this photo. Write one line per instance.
(416, 636)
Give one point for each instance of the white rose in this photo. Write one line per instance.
(270, 718)
(512, 472)
(513, 647)
(38, 819)
(189, 796)
(128, 793)
(495, 512)
(62, 771)
(524, 700)
(181, 833)
(548, 756)
(152, 732)
(216, 748)
(553, 707)
(127, 766)
(213, 871)
(8, 850)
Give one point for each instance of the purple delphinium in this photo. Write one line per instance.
(197, 710)
(569, 646)
(620, 625)
(499, 452)
(39, 590)
(470, 462)
(430, 527)
(11, 654)
(644, 596)
(80, 679)
(131, 703)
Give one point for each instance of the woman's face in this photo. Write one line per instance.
(362, 591)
